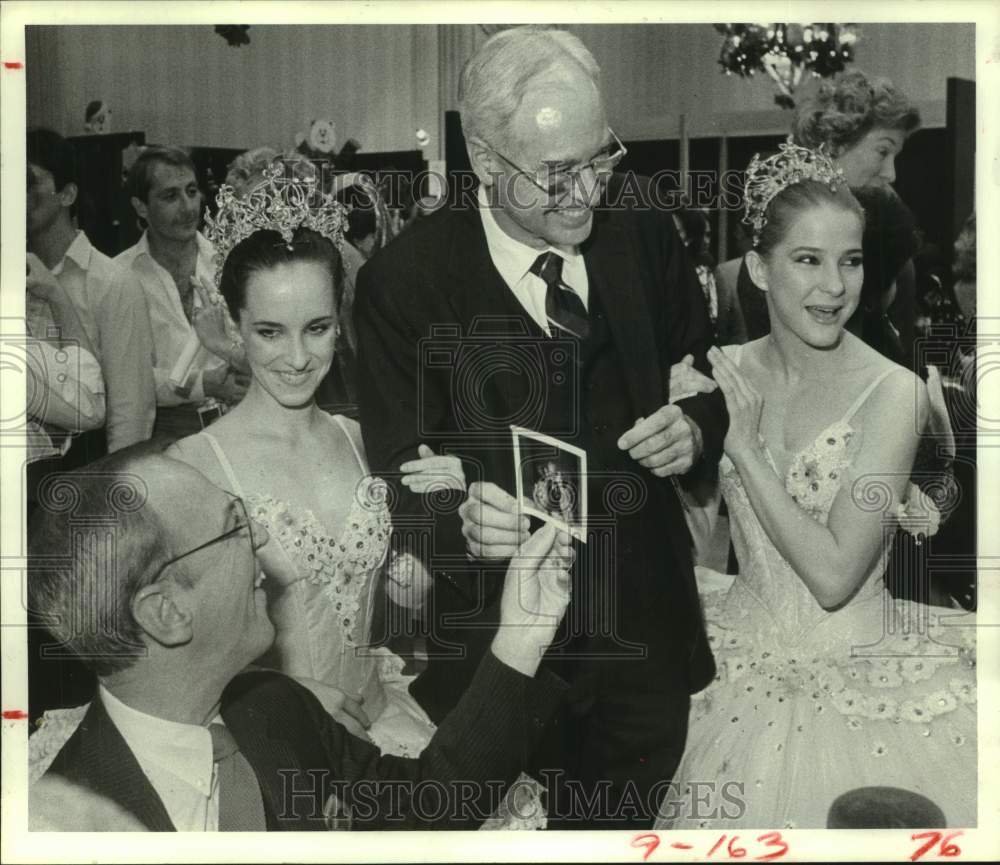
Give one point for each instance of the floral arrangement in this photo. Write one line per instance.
(785, 51)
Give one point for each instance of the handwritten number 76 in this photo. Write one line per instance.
(946, 848)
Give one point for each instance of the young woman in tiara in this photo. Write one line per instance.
(825, 683)
(302, 472)
(863, 122)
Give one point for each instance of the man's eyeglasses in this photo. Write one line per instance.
(556, 179)
(243, 522)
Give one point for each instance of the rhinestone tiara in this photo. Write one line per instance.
(792, 164)
(279, 204)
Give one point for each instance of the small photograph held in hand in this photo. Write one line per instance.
(551, 480)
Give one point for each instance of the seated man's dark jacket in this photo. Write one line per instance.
(430, 309)
(301, 755)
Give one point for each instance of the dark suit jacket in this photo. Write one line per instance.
(424, 304)
(301, 755)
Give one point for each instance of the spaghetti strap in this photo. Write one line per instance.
(867, 392)
(220, 455)
(350, 438)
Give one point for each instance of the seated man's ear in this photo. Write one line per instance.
(162, 615)
(68, 194)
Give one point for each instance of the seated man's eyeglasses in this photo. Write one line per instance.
(556, 179)
(238, 515)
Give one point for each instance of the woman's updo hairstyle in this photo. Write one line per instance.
(267, 249)
(783, 209)
(842, 112)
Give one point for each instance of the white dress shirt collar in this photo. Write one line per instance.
(206, 252)
(182, 750)
(513, 261)
(78, 253)
(512, 257)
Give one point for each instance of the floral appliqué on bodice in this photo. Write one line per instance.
(859, 658)
(814, 477)
(875, 692)
(343, 566)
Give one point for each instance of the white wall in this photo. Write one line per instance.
(653, 73)
(185, 85)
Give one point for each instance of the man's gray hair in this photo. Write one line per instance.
(495, 79)
(94, 541)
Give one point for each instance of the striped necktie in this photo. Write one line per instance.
(563, 307)
(241, 807)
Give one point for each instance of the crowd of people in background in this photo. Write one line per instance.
(133, 320)
(248, 364)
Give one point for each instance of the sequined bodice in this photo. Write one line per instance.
(343, 566)
(768, 590)
(328, 612)
(335, 598)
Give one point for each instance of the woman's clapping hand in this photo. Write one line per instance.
(743, 403)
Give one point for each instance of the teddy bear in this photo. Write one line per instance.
(321, 144)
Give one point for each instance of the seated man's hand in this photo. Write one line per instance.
(430, 472)
(535, 595)
(667, 442)
(492, 527)
(686, 381)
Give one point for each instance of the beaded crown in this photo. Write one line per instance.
(792, 164)
(276, 204)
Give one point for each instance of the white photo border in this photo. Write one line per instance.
(577, 531)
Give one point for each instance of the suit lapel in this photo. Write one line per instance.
(475, 289)
(495, 330)
(98, 756)
(613, 272)
(481, 299)
(273, 760)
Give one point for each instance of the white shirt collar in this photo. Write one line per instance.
(183, 750)
(78, 252)
(512, 257)
(206, 251)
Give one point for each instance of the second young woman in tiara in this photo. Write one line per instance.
(825, 683)
(302, 472)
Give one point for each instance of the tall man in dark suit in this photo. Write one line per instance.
(557, 300)
(166, 604)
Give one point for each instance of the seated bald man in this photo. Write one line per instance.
(168, 609)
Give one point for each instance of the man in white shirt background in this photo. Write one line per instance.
(71, 280)
(169, 258)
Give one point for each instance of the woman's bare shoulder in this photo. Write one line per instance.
(352, 428)
(196, 451)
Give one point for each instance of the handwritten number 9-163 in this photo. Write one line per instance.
(651, 841)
